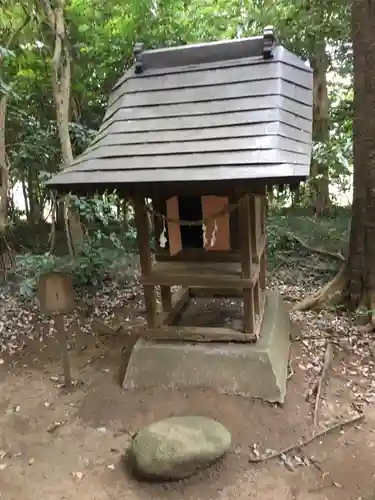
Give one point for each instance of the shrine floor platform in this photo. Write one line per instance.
(251, 370)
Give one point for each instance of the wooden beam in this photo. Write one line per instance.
(197, 334)
(180, 300)
(206, 274)
(142, 225)
(258, 322)
(216, 292)
(263, 245)
(256, 252)
(246, 257)
(253, 228)
(257, 293)
(198, 188)
(263, 271)
(166, 189)
(263, 207)
(200, 255)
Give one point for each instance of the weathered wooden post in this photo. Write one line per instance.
(56, 298)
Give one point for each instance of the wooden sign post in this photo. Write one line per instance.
(56, 298)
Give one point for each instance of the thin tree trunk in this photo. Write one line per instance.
(61, 85)
(319, 171)
(60, 216)
(11, 206)
(26, 199)
(34, 202)
(355, 284)
(124, 216)
(6, 252)
(4, 170)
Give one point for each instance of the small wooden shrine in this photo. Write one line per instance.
(195, 134)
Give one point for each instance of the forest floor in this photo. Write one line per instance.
(69, 445)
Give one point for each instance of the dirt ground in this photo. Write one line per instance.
(82, 458)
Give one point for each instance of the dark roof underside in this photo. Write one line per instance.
(206, 119)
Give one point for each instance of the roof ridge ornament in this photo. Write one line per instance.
(269, 42)
(138, 53)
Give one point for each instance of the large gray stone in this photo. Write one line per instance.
(250, 370)
(177, 447)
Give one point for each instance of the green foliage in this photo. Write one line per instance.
(100, 257)
(101, 39)
(330, 233)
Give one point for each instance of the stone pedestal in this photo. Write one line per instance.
(250, 370)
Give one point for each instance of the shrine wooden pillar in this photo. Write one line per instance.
(246, 250)
(143, 230)
(159, 207)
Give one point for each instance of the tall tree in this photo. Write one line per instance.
(13, 32)
(314, 28)
(61, 86)
(355, 283)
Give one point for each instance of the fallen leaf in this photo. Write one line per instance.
(287, 461)
(3, 466)
(77, 475)
(54, 426)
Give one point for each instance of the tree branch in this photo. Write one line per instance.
(328, 359)
(319, 251)
(19, 29)
(265, 458)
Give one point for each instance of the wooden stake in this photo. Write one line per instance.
(61, 336)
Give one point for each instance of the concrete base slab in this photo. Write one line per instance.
(251, 370)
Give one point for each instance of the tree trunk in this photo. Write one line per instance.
(26, 199)
(11, 207)
(6, 252)
(124, 215)
(61, 85)
(361, 271)
(35, 210)
(355, 284)
(4, 171)
(319, 171)
(60, 222)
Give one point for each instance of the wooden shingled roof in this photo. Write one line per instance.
(238, 109)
